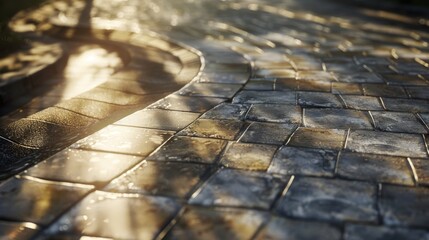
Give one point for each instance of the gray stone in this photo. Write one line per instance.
(160, 178)
(304, 161)
(80, 166)
(227, 111)
(108, 215)
(122, 139)
(17, 230)
(209, 128)
(419, 92)
(405, 206)
(187, 104)
(336, 118)
(217, 223)
(361, 77)
(362, 102)
(275, 113)
(37, 201)
(319, 99)
(405, 80)
(282, 228)
(224, 77)
(210, 90)
(271, 97)
(382, 90)
(406, 105)
(330, 200)
(159, 119)
(233, 188)
(314, 86)
(422, 170)
(398, 122)
(318, 138)
(396, 144)
(375, 168)
(367, 232)
(248, 156)
(268, 133)
(315, 76)
(189, 149)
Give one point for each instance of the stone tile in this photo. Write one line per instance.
(346, 88)
(217, 223)
(123, 139)
(259, 85)
(315, 86)
(404, 80)
(275, 113)
(37, 201)
(159, 119)
(80, 166)
(330, 200)
(405, 206)
(336, 118)
(224, 77)
(315, 76)
(248, 156)
(422, 170)
(268, 133)
(279, 73)
(210, 128)
(187, 104)
(367, 232)
(396, 144)
(94, 109)
(398, 122)
(286, 84)
(382, 90)
(62, 117)
(233, 188)
(304, 161)
(109, 215)
(406, 105)
(227, 111)
(362, 102)
(160, 178)
(361, 77)
(271, 97)
(318, 138)
(317, 99)
(210, 90)
(189, 149)
(375, 168)
(419, 92)
(282, 228)
(112, 97)
(17, 230)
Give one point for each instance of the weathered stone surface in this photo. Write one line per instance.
(17, 230)
(362, 77)
(418, 92)
(164, 178)
(189, 149)
(224, 77)
(213, 128)
(362, 102)
(227, 111)
(315, 76)
(406, 105)
(122, 139)
(271, 97)
(80, 166)
(187, 104)
(346, 88)
(319, 99)
(268, 133)
(217, 223)
(405, 206)
(37, 201)
(248, 156)
(282, 228)
(381, 90)
(367, 232)
(398, 122)
(375, 168)
(304, 161)
(318, 138)
(275, 113)
(233, 188)
(336, 118)
(330, 200)
(107, 215)
(210, 90)
(422, 170)
(396, 144)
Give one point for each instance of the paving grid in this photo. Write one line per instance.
(304, 122)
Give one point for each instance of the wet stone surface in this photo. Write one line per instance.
(398, 122)
(160, 178)
(222, 129)
(248, 156)
(275, 113)
(304, 161)
(366, 232)
(271, 97)
(330, 200)
(396, 144)
(189, 149)
(282, 228)
(233, 188)
(268, 133)
(362, 102)
(336, 118)
(316, 99)
(187, 104)
(422, 170)
(318, 138)
(375, 168)
(402, 206)
(227, 111)
(91, 218)
(30, 205)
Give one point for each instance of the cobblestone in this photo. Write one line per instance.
(248, 156)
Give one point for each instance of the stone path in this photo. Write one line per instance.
(243, 120)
